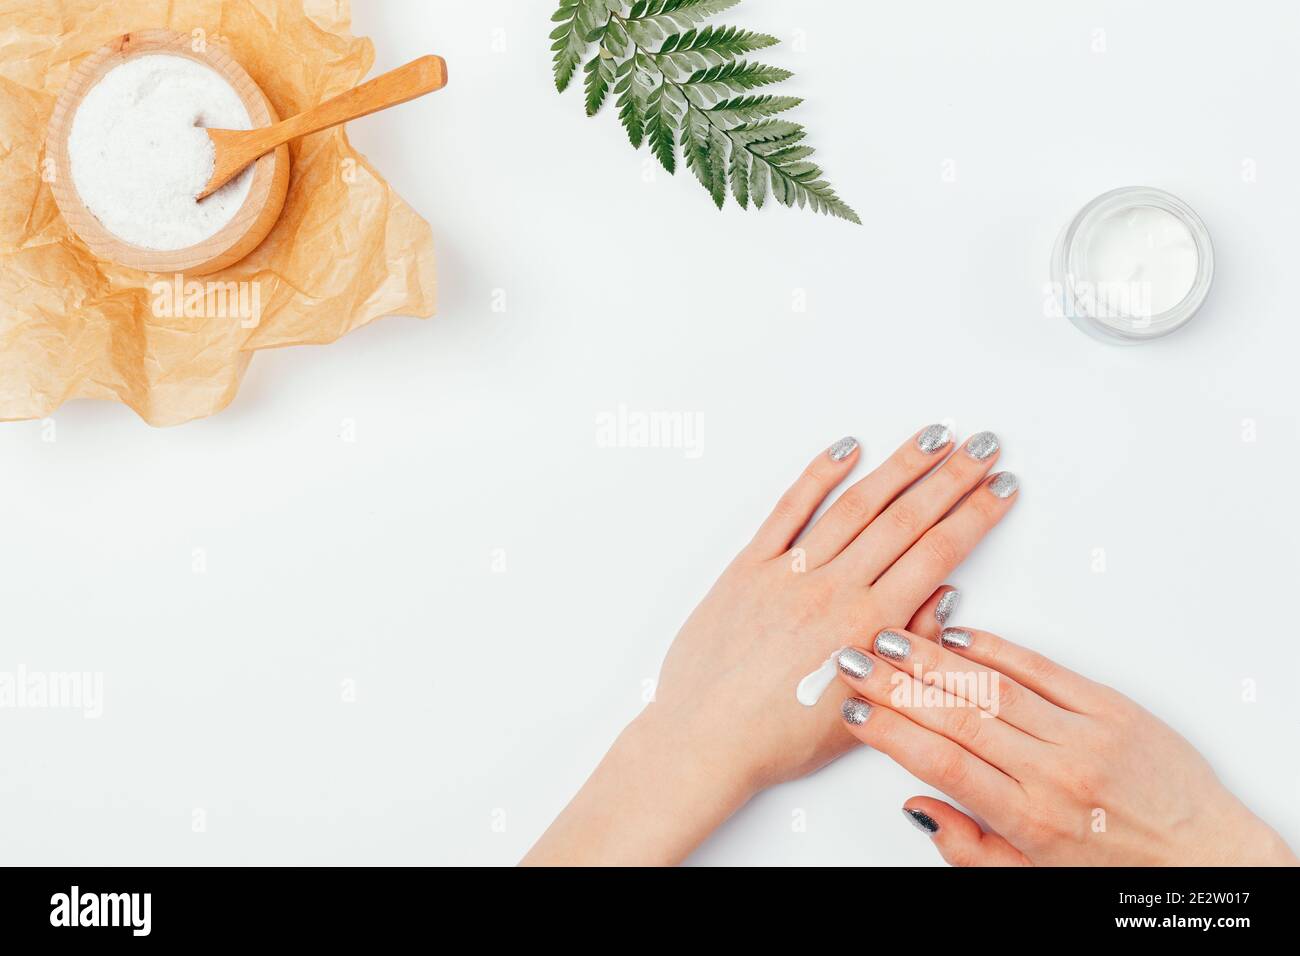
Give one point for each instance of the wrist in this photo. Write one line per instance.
(653, 799)
(1241, 839)
(673, 752)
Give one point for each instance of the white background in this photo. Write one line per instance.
(485, 698)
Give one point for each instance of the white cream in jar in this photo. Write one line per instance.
(1141, 260)
(1133, 265)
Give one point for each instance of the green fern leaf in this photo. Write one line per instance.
(758, 179)
(750, 109)
(581, 23)
(633, 89)
(646, 9)
(655, 21)
(617, 42)
(718, 145)
(600, 74)
(799, 184)
(675, 101)
(677, 84)
(779, 145)
(791, 153)
(734, 78)
(630, 112)
(740, 177)
(765, 132)
(568, 46)
(712, 46)
(659, 130)
(695, 148)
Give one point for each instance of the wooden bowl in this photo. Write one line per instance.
(238, 237)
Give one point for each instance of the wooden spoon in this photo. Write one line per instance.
(236, 149)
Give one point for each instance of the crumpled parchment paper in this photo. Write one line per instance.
(346, 251)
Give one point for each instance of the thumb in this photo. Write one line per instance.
(959, 838)
(932, 616)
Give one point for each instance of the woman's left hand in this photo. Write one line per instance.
(1066, 771)
(725, 722)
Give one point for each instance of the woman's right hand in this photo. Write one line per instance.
(1066, 771)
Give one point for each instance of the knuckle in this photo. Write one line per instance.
(853, 506)
(950, 769)
(993, 651)
(992, 654)
(964, 723)
(957, 474)
(942, 548)
(787, 506)
(926, 656)
(1039, 668)
(1082, 775)
(904, 516)
(1008, 693)
(816, 475)
(1086, 780)
(1123, 712)
(987, 507)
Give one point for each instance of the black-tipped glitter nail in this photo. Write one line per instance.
(922, 821)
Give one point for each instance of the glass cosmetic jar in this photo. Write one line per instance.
(1134, 264)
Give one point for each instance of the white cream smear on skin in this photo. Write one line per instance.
(139, 154)
(1142, 261)
(814, 685)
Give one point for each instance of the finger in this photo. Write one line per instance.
(985, 687)
(1034, 672)
(866, 499)
(959, 839)
(928, 702)
(931, 757)
(933, 558)
(931, 616)
(803, 498)
(917, 510)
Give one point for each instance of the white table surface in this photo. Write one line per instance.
(483, 698)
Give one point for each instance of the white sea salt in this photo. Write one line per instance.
(139, 155)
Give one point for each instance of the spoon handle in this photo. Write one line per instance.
(236, 149)
(425, 75)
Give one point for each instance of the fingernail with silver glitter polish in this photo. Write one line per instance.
(943, 610)
(922, 821)
(893, 645)
(933, 438)
(854, 663)
(842, 448)
(981, 446)
(956, 637)
(855, 711)
(1004, 484)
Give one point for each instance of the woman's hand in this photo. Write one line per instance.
(725, 722)
(1065, 771)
